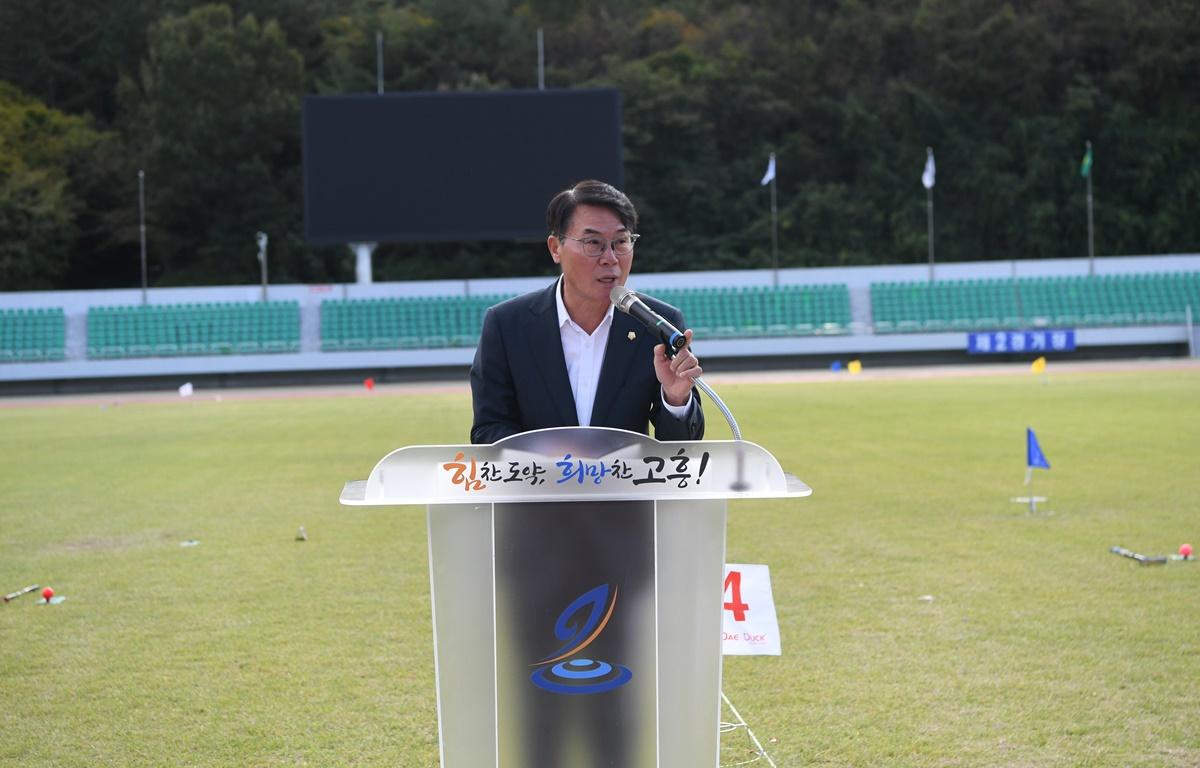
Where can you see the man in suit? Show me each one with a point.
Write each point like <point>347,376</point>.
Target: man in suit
<point>562,357</point>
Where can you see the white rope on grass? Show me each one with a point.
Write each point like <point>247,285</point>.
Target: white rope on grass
<point>741,723</point>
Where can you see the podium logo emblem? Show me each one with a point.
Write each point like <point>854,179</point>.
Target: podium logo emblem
<point>578,625</point>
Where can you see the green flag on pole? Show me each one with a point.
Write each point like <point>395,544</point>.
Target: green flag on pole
<point>1085,167</point>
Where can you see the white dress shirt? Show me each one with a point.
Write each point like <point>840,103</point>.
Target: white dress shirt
<point>584,353</point>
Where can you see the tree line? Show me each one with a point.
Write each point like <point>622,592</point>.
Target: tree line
<point>205,97</point>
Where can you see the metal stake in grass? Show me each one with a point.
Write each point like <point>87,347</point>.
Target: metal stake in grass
<point>758,752</point>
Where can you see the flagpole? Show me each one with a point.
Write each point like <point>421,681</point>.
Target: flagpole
<point>774,231</point>
<point>929,217</point>
<point>1091,233</point>
<point>929,208</point>
<point>142,228</point>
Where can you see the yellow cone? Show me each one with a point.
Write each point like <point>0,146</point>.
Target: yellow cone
<point>854,366</point>
<point>1038,366</point>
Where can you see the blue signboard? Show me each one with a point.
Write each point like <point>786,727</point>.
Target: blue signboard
<point>1010,342</point>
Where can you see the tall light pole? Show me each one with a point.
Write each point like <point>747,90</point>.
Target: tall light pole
<point>142,228</point>
<point>261,237</point>
<point>379,61</point>
<point>541,60</point>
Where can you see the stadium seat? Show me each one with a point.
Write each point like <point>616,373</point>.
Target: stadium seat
<point>1033,302</point>
<point>193,329</point>
<point>413,323</point>
<point>455,321</point>
<point>29,335</point>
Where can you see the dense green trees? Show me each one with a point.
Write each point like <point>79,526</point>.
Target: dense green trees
<point>206,98</point>
<point>213,115</point>
<point>44,177</point>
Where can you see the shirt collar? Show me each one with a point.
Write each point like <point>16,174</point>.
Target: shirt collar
<point>564,317</point>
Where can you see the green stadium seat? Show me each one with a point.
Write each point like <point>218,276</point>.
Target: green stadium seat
<point>193,329</point>
<point>1103,300</point>
<point>32,335</point>
<point>947,305</point>
<point>410,323</point>
<point>455,321</point>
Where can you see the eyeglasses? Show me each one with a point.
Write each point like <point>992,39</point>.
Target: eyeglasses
<point>594,246</point>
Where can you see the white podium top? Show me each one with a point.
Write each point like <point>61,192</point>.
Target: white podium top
<point>574,464</point>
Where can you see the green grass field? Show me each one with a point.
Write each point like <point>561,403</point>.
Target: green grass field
<point>1040,648</point>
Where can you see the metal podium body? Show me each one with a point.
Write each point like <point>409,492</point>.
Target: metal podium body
<point>576,576</point>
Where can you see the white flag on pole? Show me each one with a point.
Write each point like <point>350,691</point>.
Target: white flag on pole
<point>769,176</point>
<point>930,169</point>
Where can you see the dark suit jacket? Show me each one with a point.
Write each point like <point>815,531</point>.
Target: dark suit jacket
<point>519,377</point>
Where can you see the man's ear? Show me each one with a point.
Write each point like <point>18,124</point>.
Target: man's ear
<point>553,244</point>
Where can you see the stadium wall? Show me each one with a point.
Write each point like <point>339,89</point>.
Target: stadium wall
<point>79,373</point>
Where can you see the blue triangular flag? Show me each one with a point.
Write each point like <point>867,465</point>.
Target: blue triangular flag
<point>1033,452</point>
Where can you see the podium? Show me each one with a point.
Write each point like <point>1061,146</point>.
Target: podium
<point>576,576</point>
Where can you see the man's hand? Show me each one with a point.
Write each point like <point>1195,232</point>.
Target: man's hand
<point>678,374</point>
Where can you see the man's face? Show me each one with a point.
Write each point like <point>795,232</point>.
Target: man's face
<point>588,280</point>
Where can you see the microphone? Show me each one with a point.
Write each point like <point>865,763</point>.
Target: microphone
<point>628,302</point>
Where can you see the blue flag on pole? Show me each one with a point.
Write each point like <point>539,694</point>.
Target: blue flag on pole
<point>1033,452</point>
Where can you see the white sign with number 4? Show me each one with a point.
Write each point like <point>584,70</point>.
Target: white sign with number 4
<point>749,626</point>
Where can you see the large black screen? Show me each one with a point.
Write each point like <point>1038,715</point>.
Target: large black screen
<point>427,167</point>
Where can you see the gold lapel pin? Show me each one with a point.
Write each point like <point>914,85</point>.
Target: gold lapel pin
<point>632,335</point>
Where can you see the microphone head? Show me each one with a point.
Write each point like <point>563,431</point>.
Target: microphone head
<point>622,297</point>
